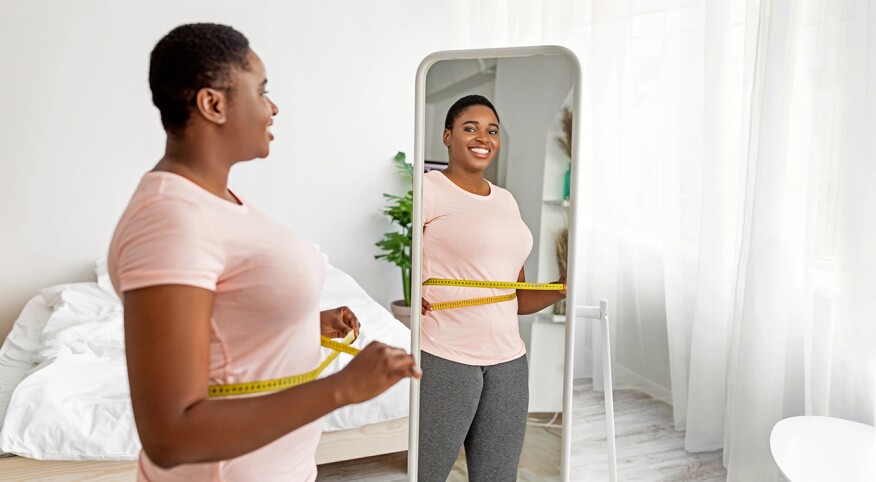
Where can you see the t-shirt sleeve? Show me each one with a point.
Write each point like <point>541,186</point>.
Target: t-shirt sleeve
<point>428,204</point>
<point>512,205</point>
<point>168,241</point>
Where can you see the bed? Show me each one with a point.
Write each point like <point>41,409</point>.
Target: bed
<point>64,391</point>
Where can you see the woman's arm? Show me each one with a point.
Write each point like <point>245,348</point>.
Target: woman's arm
<point>533,301</point>
<point>167,340</point>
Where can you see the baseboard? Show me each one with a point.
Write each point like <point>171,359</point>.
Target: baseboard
<point>626,379</point>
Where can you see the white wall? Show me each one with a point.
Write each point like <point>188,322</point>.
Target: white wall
<point>447,82</point>
<point>529,93</point>
<point>77,127</point>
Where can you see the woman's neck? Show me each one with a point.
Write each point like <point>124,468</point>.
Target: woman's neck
<point>471,181</point>
<point>199,163</point>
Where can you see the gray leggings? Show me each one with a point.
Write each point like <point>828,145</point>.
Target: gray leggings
<point>484,407</point>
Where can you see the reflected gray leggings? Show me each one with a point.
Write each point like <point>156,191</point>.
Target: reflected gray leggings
<point>484,407</point>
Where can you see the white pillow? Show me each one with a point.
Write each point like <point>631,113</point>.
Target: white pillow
<point>325,259</point>
<point>102,275</point>
<point>86,319</point>
<point>74,403</point>
<point>19,352</point>
<point>16,353</point>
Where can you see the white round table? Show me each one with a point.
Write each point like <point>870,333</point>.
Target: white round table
<point>821,449</point>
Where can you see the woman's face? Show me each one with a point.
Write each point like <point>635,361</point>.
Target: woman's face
<point>250,112</point>
<point>474,139</point>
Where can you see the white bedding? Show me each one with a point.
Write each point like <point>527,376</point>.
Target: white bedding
<point>63,381</point>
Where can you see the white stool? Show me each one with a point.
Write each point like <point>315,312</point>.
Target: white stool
<point>824,449</point>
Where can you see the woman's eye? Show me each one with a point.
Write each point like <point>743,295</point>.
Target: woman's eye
<point>469,129</point>
<point>265,93</point>
<point>494,132</point>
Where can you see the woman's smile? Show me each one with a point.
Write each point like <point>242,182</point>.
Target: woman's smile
<point>480,152</point>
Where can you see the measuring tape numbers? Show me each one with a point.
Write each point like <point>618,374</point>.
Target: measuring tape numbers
<point>505,285</point>
<point>247,388</point>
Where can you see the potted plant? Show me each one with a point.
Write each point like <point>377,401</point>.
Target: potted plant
<point>396,245</point>
<point>566,143</point>
<point>562,238</point>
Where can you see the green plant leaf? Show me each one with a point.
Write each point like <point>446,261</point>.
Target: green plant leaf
<point>396,246</point>
<point>405,169</point>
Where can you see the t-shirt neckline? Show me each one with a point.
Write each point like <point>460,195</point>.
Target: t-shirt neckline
<point>476,196</point>
<point>240,205</point>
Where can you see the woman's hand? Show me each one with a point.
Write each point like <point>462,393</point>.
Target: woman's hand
<point>529,301</point>
<point>374,370</point>
<point>337,322</point>
<point>167,343</point>
<point>562,281</point>
<point>426,306</point>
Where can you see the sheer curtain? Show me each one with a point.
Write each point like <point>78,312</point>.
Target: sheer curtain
<point>802,338</point>
<point>729,217</point>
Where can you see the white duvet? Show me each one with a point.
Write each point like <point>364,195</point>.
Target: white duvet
<point>64,386</point>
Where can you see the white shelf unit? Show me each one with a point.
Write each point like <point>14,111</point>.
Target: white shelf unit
<point>551,317</point>
<point>544,333</point>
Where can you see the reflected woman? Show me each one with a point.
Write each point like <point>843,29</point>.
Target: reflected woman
<point>475,389</point>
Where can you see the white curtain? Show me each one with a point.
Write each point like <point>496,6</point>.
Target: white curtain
<point>728,211</point>
<point>802,339</point>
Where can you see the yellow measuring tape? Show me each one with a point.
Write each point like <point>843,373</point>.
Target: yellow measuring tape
<point>507,285</point>
<point>286,382</point>
<point>343,346</point>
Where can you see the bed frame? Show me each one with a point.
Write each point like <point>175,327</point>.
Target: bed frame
<point>366,441</point>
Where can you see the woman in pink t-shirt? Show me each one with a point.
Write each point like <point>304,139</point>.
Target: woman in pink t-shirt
<point>215,292</point>
<point>475,386</point>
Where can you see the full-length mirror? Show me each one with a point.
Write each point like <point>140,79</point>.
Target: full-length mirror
<point>492,206</point>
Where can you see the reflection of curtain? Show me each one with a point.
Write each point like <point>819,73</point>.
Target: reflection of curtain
<point>727,213</point>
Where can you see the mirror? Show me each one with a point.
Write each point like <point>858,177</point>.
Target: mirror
<point>493,192</point>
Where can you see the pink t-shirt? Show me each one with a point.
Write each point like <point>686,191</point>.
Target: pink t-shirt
<point>265,322</point>
<point>472,237</point>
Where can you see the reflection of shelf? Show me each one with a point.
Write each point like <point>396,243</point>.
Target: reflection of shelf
<point>557,202</point>
<point>434,165</point>
<point>546,361</point>
<point>551,317</point>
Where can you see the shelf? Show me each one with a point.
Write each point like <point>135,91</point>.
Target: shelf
<point>550,317</point>
<point>557,202</point>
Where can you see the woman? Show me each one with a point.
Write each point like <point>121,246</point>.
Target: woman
<point>475,391</point>
<point>215,292</point>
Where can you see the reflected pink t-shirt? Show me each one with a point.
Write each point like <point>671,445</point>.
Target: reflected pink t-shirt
<point>265,322</point>
<point>471,237</point>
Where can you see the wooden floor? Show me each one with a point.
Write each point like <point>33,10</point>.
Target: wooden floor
<point>648,446</point>
<point>648,449</point>
<point>540,461</point>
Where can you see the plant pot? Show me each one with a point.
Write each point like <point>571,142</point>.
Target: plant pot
<point>401,312</point>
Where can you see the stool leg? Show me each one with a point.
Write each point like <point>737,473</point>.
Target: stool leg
<point>609,394</point>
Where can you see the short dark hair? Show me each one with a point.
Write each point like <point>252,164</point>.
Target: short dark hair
<point>464,103</point>
<point>187,59</point>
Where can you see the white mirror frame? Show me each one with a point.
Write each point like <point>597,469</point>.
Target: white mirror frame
<point>594,312</point>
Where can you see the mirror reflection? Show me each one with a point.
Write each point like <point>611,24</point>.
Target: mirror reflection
<point>495,210</point>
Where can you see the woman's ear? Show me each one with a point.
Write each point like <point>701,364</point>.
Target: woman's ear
<point>212,105</point>
<point>447,137</point>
